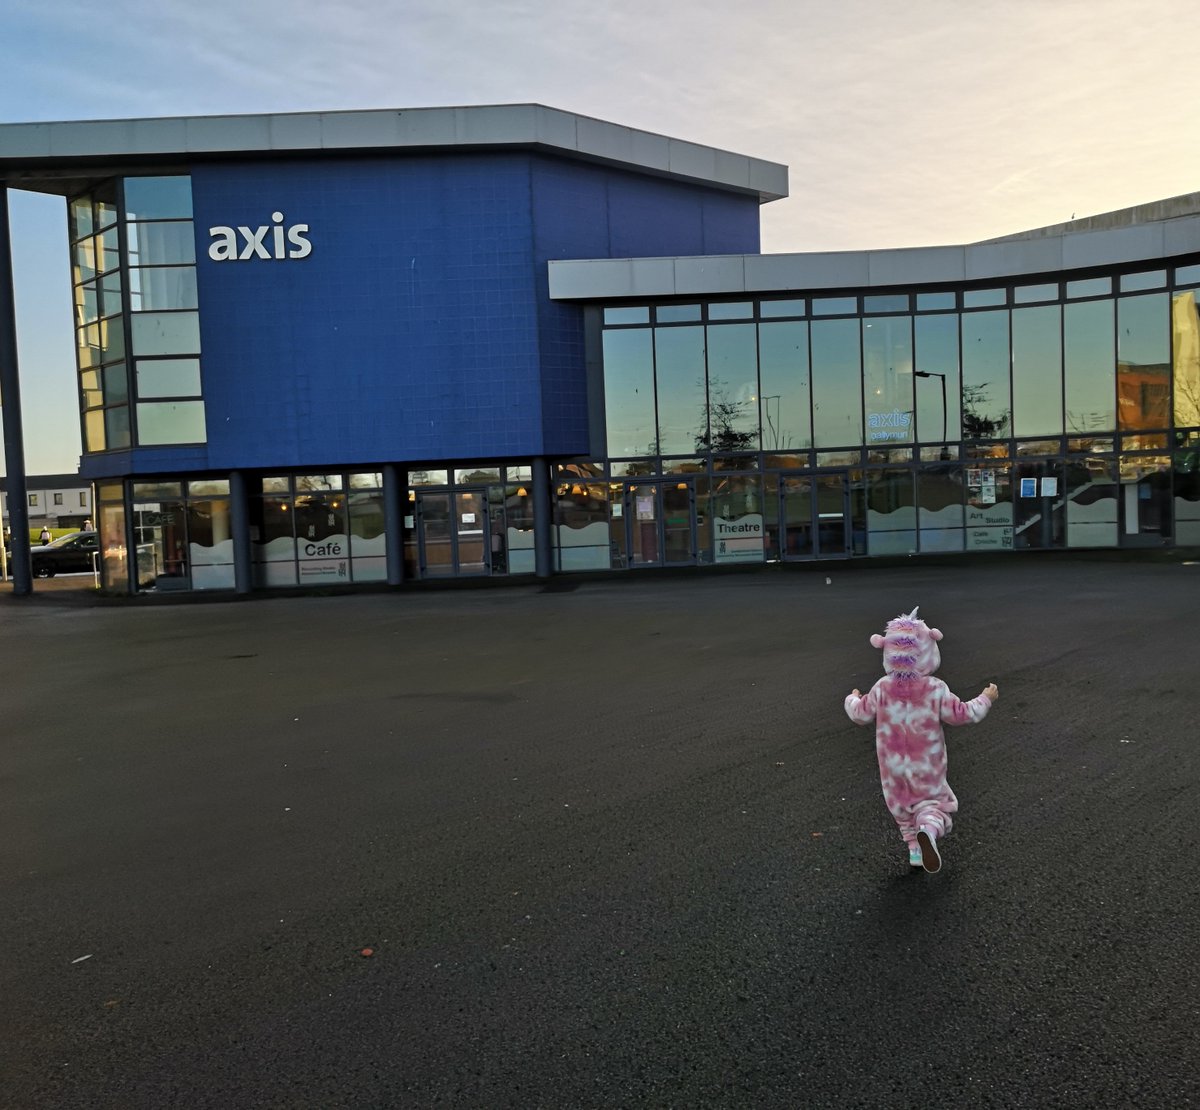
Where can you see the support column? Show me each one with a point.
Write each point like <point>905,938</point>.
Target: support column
<point>239,510</point>
<point>395,479</point>
<point>10,401</point>
<point>543,553</point>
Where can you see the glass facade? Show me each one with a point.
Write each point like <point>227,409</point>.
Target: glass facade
<point>1043,414</point>
<point>136,314</point>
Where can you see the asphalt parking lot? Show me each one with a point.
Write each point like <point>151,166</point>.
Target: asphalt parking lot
<point>609,844</point>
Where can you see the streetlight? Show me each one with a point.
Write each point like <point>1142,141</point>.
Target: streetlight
<point>932,374</point>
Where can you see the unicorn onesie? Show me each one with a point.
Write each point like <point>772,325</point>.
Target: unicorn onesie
<point>909,707</point>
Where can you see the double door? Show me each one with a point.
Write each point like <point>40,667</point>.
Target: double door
<point>660,523</point>
<point>458,533</point>
<point>814,516</point>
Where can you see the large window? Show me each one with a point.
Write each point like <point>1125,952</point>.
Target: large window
<point>629,392</point>
<point>888,379</point>
<point>679,364</point>
<point>1089,367</point>
<point>164,322</point>
<point>136,314</point>
<point>1185,343</point>
<point>837,383</point>
<point>1037,371</point>
<point>986,406</point>
<point>733,404</point>
<point>989,394</point>
<point>1143,362</point>
<point>784,381</point>
<point>99,319</point>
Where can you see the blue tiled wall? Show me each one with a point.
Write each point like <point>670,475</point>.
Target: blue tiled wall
<point>582,211</point>
<point>420,327</point>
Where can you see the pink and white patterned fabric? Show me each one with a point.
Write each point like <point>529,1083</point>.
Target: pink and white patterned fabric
<point>909,707</point>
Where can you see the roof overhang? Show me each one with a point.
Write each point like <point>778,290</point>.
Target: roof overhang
<point>604,279</point>
<point>48,157</point>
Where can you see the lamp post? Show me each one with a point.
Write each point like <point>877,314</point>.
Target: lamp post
<point>932,374</point>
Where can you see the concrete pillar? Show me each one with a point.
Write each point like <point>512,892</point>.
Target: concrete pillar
<point>10,401</point>
<point>395,500</point>
<point>239,505</point>
<point>543,508</point>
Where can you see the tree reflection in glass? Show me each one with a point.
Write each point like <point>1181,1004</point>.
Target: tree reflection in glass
<point>986,412</point>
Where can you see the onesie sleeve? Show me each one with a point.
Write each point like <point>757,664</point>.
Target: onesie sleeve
<point>954,711</point>
<point>862,710</point>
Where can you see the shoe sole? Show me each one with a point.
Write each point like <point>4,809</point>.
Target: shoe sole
<point>931,858</point>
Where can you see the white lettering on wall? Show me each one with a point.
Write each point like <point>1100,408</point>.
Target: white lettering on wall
<point>238,244</point>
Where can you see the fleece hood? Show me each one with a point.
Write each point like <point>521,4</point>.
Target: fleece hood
<point>910,646</point>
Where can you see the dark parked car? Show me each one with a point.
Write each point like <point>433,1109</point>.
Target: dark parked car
<point>69,553</point>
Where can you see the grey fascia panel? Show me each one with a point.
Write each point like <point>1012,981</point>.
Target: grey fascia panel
<point>916,266</point>
<point>299,131</point>
<point>650,150</point>
<point>206,134</point>
<point>1181,236</point>
<point>1103,248</point>
<point>690,160</point>
<point>499,124</point>
<point>353,130</point>
<point>427,127</point>
<point>90,139</point>
<point>710,274</point>
<point>827,270</point>
<point>556,129</point>
<point>770,271</point>
<point>769,178</point>
<point>734,168</point>
<point>652,277</point>
<point>574,280</point>
<point>25,140</point>
<point>1027,256</point>
<point>160,136</point>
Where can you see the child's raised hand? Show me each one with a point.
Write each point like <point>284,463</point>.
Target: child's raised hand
<point>991,693</point>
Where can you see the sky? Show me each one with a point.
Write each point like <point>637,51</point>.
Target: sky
<point>903,124</point>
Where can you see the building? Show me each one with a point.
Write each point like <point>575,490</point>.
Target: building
<point>55,500</point>
<point>382,346</point>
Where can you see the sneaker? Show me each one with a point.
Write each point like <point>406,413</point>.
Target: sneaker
<point>931,858</point>
<point>914,856</point>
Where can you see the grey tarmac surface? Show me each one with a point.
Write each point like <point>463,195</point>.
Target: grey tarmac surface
<point>612,846</point>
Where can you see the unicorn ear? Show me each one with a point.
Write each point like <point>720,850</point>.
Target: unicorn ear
<point>876,641</point>
<point>936,633</point>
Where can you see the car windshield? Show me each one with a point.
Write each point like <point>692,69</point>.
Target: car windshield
<point>68,540</point>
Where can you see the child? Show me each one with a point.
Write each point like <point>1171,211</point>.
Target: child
<point>908,706</point>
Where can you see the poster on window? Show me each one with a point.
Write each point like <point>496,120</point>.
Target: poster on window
<point>739,540</point>
<point>322,539</point>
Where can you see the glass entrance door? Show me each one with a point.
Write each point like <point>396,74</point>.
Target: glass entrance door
<point>452,533</point>
<point>1039,497</point>
<point>814,516</point>
<point>797,538</point>
<point>661,522</point>
<point>831,497</point>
